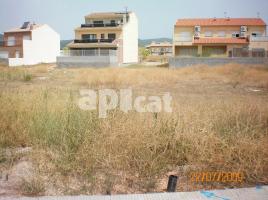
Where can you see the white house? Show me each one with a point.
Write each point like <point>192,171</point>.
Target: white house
<point>29,45</point>
<point>106,38</point>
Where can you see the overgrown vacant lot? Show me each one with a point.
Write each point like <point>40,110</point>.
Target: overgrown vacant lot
<point>219,123</point>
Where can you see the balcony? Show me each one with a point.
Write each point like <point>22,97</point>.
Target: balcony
<point>99,25</point>
<point>259,39</point>
<point>94,41</point>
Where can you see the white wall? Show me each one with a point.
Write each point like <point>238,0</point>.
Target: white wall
<point>130,40</point>
<point>13,62</point>
<point>43,48</point>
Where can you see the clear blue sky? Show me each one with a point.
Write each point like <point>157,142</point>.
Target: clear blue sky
<point>156,17</point>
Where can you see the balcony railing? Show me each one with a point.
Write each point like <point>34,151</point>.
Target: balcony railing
<point>94,41</point>
<point>259,39</point>
<point>183,39</point>
<point>89,52</point>
<point>99,25</point>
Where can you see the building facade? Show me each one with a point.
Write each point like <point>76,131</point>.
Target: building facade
<point>105,34</point>
<point>160,49</point>
<point>220,37</point>
<point>29,45</point>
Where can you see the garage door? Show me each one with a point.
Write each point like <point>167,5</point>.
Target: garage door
<point>186,51</point>
<point>3,54</point>
<point>214,50</point>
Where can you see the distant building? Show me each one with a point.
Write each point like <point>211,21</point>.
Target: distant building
<point>105,38</point>
<point>161,48</point>
<point>226,37</point>
<point>29,45</point>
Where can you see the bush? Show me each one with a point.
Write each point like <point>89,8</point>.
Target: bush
<point>27,77</point>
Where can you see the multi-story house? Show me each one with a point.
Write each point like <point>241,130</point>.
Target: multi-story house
<point>107,33</point>
<point>161,48</point>
<point>226,37</point>
<point>30,44</point>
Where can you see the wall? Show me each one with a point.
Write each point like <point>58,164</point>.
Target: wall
<point>130,40</point>
<point>13,62</point>
<point>184,62</point>
<point>215,30</point>
<point>89,20</point>
<point>18,43</point>
<point>86,61</point>
<point>178,30</point>
<point>258,45</point>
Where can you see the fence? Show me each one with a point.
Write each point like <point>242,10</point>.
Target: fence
<point>254,53</point>
<point>88,58</point>
<point>177,62</point>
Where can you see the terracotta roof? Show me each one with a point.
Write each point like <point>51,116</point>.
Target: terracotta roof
<point>104,15</point>
<point>221,22</point>
<point>15,30</point>
<point>220,41</point>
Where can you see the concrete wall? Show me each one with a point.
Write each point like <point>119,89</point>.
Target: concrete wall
<point>184,62</point>
<point>258,45</point>
<point>130,40</point>
<point>13,62</point>
<point>87,61</point>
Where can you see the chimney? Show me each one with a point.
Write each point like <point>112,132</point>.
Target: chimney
<point>31,26</point>
<point>125,16</point>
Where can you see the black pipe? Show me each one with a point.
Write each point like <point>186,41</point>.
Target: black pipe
<point>172,183</point>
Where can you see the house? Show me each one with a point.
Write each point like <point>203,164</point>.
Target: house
<point>220,37</point>
<point>30,44</point>
<point>108,38</point>
<point>161,48</point>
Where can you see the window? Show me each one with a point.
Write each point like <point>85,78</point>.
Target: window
<point>112,21</point>
<point>235,34</point>
<point>185,37</point>
<point>98,23</point>
<point>11,41</point>
<point>208,34</point>
<point>102,36</point>
<point>221,34</point>
<point>112,36</point>
<point>89,36</point>
<point>256,34</point>
<point>197,28</point>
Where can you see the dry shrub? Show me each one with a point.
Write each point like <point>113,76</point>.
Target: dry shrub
<point>134,150</point>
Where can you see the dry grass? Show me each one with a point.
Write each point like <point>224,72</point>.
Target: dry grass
<point>211,128</point>
<point>229,74</point>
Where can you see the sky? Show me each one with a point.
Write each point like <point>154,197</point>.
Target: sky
<point>156,17</point>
